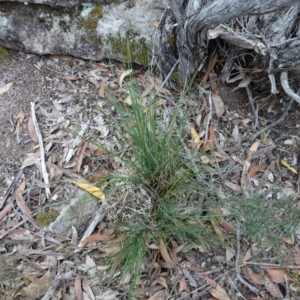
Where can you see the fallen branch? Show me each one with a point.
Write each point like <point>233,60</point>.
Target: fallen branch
<point>42,151</point>
<point>283,116</point>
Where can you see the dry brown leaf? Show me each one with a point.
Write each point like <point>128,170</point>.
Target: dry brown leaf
<point>276,275</point>
<point>209,145</point>
<point>31,131</point>
<point>209,280</point>
<point>253,149</point>
<point>164,251</point>
<point>31,278</point>
<point>227,226</point>
<point>218,231</point>
<point>77,288</point>
<point>192,103</point>
<point>160,295</point>
<point>253,277</point>
<point>149,289</point>
<point>96,238</point>
<point>6,210</point>
<point>5,87</point>
<point>273,288</point>
<point>101,91</point>
<point>219,293</point>
<point>70,77</point>
<point>19,120</point>
<point>38,288</point>
<point>218,104</point>
<point>257,168</point>
<point>289,241</point>
<point>211,65</point>
<point>114,246</point>
<point>99,67</point>
<point>248,255</point>
<point>246,165</point>
<point>80,156</point>
<point>149,88</point>
<point>24,208</point>
<point>233,186</point>
<point>114,267</point>
<point>156,23</point>
<point>182,285</point>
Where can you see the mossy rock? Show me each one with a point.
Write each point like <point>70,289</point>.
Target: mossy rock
<point>4,54</point>
<point>45,219</point>
<point>132,48</point>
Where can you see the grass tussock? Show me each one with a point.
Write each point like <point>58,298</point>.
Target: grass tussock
<point>162,196</point>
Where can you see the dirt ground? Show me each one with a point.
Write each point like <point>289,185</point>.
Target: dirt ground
<point>66,92</point>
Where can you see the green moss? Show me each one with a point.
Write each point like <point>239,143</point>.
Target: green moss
<point>90,23</point>
<point>175,75</point>
<point>45,219</point>
<point>172,40</point>
<point>4,54</point>
<point>134,49</point>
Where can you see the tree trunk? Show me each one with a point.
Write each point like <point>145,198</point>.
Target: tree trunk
<point>270,28</point>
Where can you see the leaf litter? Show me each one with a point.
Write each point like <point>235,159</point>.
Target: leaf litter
<point>66,126</point>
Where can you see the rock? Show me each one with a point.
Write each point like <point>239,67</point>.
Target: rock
<point>122,30</point>
<point>65,3</point>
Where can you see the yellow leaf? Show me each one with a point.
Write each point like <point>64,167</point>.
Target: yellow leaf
<point>195,135</point>
<point>288,166</point>
<point>123,75</point>
<point>90,188</point>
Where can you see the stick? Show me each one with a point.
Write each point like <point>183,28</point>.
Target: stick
<point>42,152</point>
<point>253,110</point>
<point>9,190</point>
<point>285,113</point>
<point>285,84</point>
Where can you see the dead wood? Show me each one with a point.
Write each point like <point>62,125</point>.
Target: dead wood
<point>268,30</point>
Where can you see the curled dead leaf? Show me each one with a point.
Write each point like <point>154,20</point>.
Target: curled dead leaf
<point>31,131</point>
<point>101,91</point>
<point>164,251</point>
<point>19,120</point>
<point>5,87</point>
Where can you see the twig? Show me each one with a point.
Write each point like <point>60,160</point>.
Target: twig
<point>285,84</point>
<point>9,190</point>
<point>287,288</point>
<point>283,116</point>
<point>237,267</point>
<point>253,110</point>
<point>42,152</point>
<point>268,265</point>
<point>98,217</point>
<point>167,78</point>
<point>58,278</point>
<point>210,112</point>
<point>271,75</point>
